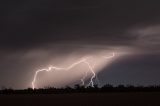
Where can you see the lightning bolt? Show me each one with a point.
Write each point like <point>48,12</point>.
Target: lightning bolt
<point>83,60</point>
<point>83,78</point>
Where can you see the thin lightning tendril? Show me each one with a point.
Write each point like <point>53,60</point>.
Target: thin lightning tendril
<point>83,78</point>
<point>83,60</point>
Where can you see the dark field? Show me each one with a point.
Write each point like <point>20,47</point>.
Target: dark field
<point>83,99</point>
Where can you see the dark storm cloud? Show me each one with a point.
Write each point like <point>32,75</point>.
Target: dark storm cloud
<point>27,24</point>
<point>33,30</point>
<point>136,70</point>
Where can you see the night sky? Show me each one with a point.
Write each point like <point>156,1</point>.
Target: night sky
<point>36,33</point>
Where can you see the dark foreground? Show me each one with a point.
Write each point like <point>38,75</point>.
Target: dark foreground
<point>83,99</point>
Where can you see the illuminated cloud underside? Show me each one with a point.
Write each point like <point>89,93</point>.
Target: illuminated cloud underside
<point>93,64</point>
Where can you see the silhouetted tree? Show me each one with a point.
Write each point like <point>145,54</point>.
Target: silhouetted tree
<point>78,88</point>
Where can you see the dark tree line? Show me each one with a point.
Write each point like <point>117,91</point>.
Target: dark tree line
<point>82,89</point>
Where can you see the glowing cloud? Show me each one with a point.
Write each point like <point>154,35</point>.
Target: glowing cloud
<point>83,60</point>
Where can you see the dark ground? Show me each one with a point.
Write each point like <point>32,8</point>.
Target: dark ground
<point>83,99</point>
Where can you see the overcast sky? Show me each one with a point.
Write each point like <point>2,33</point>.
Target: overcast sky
<point>36,32</point>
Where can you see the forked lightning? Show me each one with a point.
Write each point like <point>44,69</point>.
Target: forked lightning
<point>83,60</point>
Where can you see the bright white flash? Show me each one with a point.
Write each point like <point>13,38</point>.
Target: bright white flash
<point>83,60</point>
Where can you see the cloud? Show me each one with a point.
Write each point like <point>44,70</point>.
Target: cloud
<point>34,32</point>
<point>147,37</point>
<point>34,24</point>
